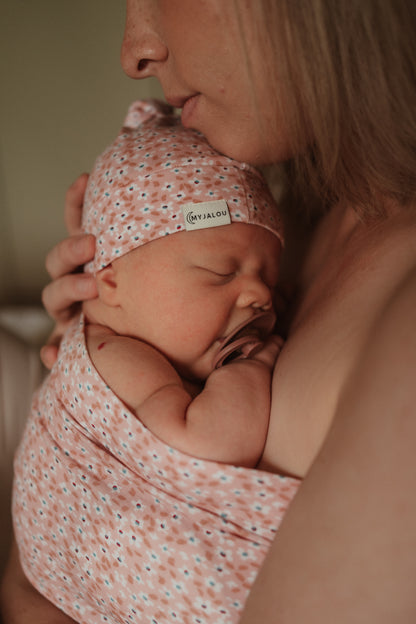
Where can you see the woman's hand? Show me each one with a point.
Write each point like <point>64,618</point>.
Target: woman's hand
<point>21,602</point>
<point>62,296</point>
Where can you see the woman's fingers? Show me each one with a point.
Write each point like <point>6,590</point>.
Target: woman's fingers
<point>60,299</point>
<point>74,201</point>
<point>49,351</point>
<point>59,296</point>
<point>49,355</point>
<point>69,254</point>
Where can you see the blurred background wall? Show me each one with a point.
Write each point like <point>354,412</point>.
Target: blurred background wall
<point>63,97</point>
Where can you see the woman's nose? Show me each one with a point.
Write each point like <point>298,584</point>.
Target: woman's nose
<point>142,49</point>
<point>254,293</point>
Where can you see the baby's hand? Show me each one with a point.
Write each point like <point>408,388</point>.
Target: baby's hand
<point>268,354</point>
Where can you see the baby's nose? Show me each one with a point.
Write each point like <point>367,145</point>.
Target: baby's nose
<point>255,293</point>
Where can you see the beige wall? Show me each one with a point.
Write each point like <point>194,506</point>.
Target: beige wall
<point>62,99</point>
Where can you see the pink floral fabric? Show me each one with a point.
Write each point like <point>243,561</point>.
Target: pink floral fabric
<point>154,167</point>
<point>115,526</point>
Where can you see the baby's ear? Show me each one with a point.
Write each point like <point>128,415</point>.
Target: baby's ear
<point>107,286</point>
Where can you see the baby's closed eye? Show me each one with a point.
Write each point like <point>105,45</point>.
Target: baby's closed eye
<point>220,271</point>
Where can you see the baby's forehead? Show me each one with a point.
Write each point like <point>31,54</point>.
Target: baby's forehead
<point>224,241</point>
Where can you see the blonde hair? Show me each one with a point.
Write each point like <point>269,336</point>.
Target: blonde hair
<point>343,73</point>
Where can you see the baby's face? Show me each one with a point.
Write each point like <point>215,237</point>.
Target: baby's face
<point>186,292</point>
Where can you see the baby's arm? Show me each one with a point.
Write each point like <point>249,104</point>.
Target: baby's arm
<point>226,422</point>
<point>135,371</point>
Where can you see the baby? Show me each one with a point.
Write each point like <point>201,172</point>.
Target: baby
<point>134,499</point>
<point>172,309</point>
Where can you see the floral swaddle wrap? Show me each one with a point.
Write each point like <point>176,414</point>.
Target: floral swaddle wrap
<point>113,525</point>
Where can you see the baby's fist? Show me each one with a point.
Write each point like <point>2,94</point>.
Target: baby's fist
<point>269,352</point>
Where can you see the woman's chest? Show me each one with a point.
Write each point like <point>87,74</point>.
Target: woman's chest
<point>351,285</point>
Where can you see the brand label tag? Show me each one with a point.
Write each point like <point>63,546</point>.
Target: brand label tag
<point>206,214</point>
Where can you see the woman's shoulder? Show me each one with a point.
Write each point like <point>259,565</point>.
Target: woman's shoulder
<point>361,286</point>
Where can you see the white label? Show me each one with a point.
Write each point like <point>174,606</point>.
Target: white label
<point>206,214</point>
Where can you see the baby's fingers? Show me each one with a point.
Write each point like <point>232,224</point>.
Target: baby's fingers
<point>270,351</point>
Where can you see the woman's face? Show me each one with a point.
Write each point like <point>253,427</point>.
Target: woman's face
<point>195,48</point>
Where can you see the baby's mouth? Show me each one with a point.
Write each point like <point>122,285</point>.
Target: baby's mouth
<point>246,339</point>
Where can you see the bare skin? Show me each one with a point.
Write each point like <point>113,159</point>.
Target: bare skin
<point>350,275</point>
<point>322,568</point>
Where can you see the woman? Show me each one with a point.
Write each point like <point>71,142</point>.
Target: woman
<point>330,87</point>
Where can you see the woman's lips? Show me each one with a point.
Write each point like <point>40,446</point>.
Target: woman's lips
<point>187,104</point>
<point>246,339</point>
<point>188,109</point>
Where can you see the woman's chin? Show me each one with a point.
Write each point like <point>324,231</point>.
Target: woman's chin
<point>256,153</point>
